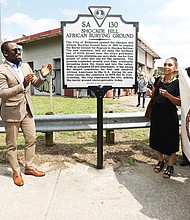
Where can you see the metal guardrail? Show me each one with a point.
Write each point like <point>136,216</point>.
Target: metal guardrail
<point>83,122</point>
<point>80,122</point>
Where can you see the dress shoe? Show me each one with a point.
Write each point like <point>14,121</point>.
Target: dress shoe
<point>17,177</point>
<point>34,172</point>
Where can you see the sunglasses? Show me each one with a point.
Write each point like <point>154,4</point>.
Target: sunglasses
<point>16,50</point>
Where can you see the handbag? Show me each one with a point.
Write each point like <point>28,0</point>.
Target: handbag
<point>148,112</point>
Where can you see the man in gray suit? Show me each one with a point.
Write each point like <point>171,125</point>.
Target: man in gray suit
<point>16,78</point>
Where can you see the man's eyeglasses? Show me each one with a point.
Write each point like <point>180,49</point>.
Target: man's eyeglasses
<point>16,50</point>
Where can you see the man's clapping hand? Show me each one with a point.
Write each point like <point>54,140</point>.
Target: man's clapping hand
<point>28,79</point>
<point>46,70</point>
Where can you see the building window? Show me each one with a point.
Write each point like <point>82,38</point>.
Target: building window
<point>31,64</point>
<point>56,75</point>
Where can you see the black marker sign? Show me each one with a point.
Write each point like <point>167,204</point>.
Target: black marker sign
<point>99,50</point>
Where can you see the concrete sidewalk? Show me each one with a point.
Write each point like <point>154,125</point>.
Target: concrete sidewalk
<point>80,192</point>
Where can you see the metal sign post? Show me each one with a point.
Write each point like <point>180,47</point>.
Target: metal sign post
<point>99,53</point>
<point>100,93</point>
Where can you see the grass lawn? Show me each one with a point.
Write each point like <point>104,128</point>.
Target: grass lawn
<point>130,145</point>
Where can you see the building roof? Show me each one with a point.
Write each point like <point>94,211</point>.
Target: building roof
<point>144,46</point>
<point>35,37</point>
<point>55,32</point>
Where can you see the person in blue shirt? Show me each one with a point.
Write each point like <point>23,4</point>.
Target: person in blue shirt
<point>142,86</point>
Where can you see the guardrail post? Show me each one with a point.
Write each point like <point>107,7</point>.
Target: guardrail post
<point>49,139</point>
<point>49,135</point>
<point>110,136</point>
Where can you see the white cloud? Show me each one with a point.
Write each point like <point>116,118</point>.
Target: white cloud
<point>70,14</point>
<point>170,31</point>
<point>149,33</point>
<point>4,2</point>
<point>167,31</point>
<point>24,24</point>
<point>174,9</point>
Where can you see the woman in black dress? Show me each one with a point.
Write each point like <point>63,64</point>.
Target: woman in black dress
<point>164,130</point>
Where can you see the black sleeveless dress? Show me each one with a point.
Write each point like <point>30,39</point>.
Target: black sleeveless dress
<point>164,129</point>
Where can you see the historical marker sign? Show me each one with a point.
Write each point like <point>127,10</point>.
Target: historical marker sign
<point>99,50</point>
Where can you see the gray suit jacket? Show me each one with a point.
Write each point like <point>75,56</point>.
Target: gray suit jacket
<point>13,98</point>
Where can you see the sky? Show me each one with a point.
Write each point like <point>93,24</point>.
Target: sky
<point>163,24</point>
